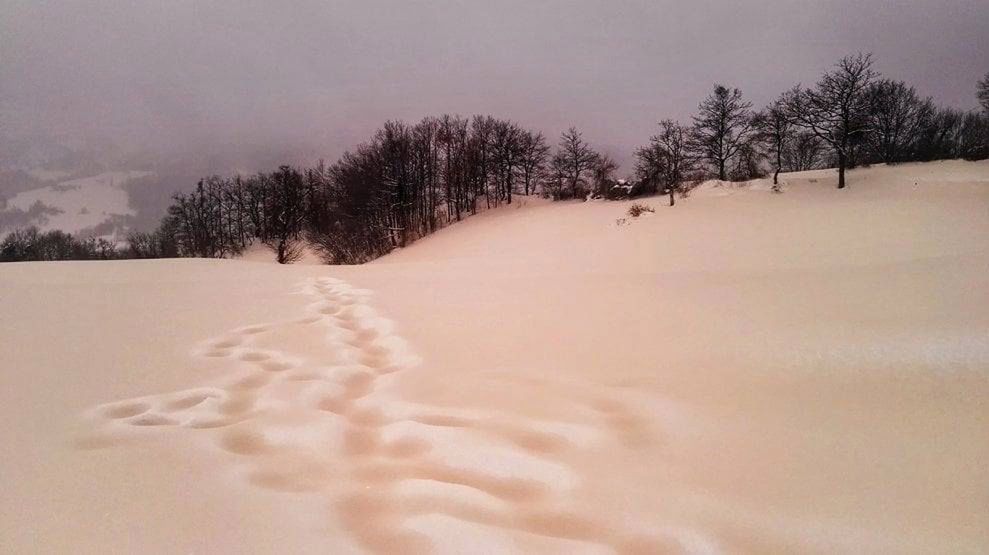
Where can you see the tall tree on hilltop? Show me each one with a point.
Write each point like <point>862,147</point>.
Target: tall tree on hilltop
<point>576,160</point>
<point>506,149</point>
<point>721,128</point>
<point>287,213</point>
<point>836,109</point>
<point>896,115</point>
<point>604,172</point>
<point>775,131</point>
<point>665,164</point>
<point>534,152</point>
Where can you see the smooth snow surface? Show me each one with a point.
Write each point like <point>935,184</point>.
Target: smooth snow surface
<point>744,372</point>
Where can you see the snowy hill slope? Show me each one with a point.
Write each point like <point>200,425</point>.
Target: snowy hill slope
<point>745,372</point>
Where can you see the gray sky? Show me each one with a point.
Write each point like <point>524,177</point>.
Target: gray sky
<point>192,77</point>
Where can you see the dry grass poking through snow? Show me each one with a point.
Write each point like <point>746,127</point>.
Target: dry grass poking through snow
<point>637,210</point>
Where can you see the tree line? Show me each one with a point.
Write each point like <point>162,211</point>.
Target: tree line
<point>851,116</point>
<point>29,244</point>
<point>404,183</point>
<point>409,180</point>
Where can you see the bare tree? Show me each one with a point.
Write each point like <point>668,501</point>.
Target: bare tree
<point>482,129</point>
<point>940,135</point>
<point>722,128</point>
<point>974,136</point>
<point>983,93</point>
<point>836,108</point>
<point>506,150</point>
<point>667,161</point>
<point>896,114</point>
<point>803,152</point>
<point>555,179</point>
<point>534,152</point>
<point>747,164</point>
<point>775,130</point>
<point>287,212</point>
<point>30,244</point>
<point>577,160</point>
<point>452,139</point>
<point>604,172</point>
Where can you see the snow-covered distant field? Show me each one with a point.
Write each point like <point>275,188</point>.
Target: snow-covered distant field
<point>47,175</point>
<point>78,204</point>
<point>746,372</point>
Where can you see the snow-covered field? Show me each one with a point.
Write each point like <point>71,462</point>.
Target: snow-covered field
<point>744,372</point>
<point>79,204</point>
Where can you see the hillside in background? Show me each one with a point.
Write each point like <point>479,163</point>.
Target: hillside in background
<point>102,189</point>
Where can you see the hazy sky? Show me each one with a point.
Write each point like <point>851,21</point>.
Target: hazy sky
<point>316,77</point>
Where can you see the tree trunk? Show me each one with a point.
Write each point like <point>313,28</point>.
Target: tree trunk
<point>841,169</point>
<point>672,202</point>
<point>779,164</point>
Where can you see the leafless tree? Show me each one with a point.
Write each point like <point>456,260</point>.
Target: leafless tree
<point>748,163</point>
<point>974,135</point>
<point>287,212</point>
<point>775,131</point>
<point>506,147</point>
<point>577,160</point>
<point>940,135</point>
<point>896,115</point>
<point>721,128</point>
<point>603,175</point>
<point>532,161</point>
<point>667,161</point>
<point>29,244</point>
<point>555,183</point>
<point>983,93</point>
<point>482,129</point>
<point>803,152</point>
<point>453,137</point>
<point>836,109</point>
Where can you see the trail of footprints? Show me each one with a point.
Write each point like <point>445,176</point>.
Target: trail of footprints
<point>322,420</point>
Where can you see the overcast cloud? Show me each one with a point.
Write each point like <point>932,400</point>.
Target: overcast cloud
<point>188,77</point>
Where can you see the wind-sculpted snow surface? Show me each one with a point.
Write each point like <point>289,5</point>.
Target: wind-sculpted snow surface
<point>399,476</point>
